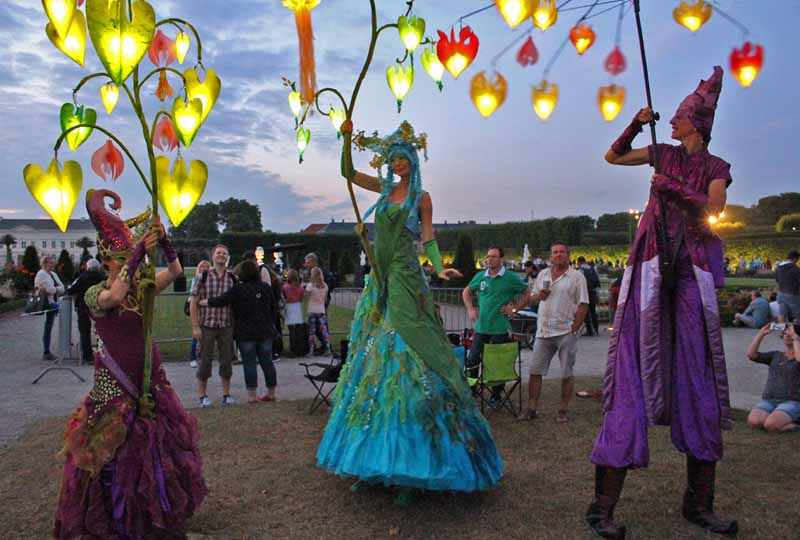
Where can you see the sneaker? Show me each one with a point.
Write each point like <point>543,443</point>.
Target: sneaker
<point>205,402</point>
<point>227,399</point>
<point>193,363</point>
<point>49,357</point>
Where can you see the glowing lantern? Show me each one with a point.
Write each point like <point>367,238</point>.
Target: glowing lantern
<point>303,136</point>
<point>186,117</point>
<point>179,190</point>
<point>337,119</point>
<point>55,190</point>
<point>109,93</point>
<point>108,161</point>
<point>305,34</point>
<point>746,63</point>
<point>514,11</point>
<point>295,103</point>
<point>434,68</point>
<point>162,51</point>
<point>545,14</point>
<point>72,115</point>
<point>544,97</point>
<point>120,43</point>
<point>181,46</point>
<point>164,137</point>
<point>411,31</point>
<point>164,90</point>
<point>60,13</point>
<point>692,16</point>
<point>488,95</point>
<point>582,37</point>
<point>615,62</point>
<point>207,91</point>
<point>610,99</point>
<point>400,81</point>
<point>527,55</point>
<point>457,55</point>
<point>73,43</point>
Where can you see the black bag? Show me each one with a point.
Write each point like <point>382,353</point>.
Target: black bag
<point>37,303</point>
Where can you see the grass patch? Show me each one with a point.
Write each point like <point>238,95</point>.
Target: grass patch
<point>263,481</point>
<point>750,283</point>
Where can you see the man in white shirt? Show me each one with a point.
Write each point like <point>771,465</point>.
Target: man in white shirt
<point>563,300</point>
<point>47,281</point>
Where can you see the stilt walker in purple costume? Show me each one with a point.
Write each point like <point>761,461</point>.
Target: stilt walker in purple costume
<point>133,470</point>
<point>666,365</point>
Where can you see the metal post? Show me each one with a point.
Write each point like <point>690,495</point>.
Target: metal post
<point>64,341</point>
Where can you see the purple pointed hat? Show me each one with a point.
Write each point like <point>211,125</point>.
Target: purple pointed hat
<point>114,236</point>
<point>699,106</point>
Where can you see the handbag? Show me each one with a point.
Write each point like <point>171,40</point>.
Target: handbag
<point>37,303</point>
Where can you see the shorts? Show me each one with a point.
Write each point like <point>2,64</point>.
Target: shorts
<point>544,348</point>
<point>223,339</point>
<point>792,408</point>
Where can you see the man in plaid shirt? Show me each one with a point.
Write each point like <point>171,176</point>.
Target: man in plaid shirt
<point>214,325</point>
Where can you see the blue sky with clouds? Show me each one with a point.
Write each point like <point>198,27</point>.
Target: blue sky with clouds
<point>511,166</point>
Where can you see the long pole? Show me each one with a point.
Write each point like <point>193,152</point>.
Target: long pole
<point>646,81</point>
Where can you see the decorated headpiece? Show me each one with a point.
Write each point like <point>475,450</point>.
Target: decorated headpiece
<point>403,141</point>
<point>699,106</point>
<point>114,236</point>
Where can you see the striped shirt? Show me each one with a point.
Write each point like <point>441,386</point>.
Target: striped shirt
<point>214,285</point>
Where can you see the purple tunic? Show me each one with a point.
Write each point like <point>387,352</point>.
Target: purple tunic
<point>651,377</point>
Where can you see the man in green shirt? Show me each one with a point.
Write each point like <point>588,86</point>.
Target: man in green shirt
<point>495,288</point>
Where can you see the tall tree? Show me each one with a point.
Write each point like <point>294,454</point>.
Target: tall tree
<point>346,265</point>
<point>618,222</point>
<point>64,267</point>
<point>768,210</point>
<point>8,240</point>
<point>85,242</point>
<point>238,215</point>
<point>30,261</point>
<point>464,260</point>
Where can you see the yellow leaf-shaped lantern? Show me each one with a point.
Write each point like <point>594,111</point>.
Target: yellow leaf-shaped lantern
<point>693,15</point>
<point>120,43</point>
<point>433,67</point>
<point>337,119</point>
<point>56,190</point>
<point>544,98</point>
<point>411,30</point>
<point>514,11</point>
<point>73,42</point>
<point>181,46</point>
<point>60,13</point>
<point>295,103</point>
<point>400,81</point>
<point>207,91</point>
<point>487,94</point>
<point>187,119</point>
<point>545,14</point>
<point>179,190</point>
<point>610,99</point>
<point>109,94</point>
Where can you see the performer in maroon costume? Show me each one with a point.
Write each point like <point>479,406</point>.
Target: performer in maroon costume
<point>131,473</point>
<point>666,363</point>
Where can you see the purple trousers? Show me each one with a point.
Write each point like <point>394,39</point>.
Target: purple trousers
<point>693,411</point>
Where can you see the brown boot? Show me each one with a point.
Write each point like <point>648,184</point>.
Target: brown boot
<point>608,482</point>
<point>698,501</point>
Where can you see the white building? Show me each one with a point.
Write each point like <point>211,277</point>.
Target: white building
<point>46,236</point>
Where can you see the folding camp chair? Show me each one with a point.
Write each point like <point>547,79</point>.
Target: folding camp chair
<point>324,380</point>
<point>501,365</point>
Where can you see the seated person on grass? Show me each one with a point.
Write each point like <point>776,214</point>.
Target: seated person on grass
<point>757,313</point>
<point>779,408</point>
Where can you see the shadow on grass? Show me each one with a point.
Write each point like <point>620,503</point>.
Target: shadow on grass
<point>264,484</point>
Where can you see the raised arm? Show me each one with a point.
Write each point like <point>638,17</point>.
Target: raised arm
<point>621,152</point>
<point>752,350</point>
<point>174,268</point>
<point>370,183</point>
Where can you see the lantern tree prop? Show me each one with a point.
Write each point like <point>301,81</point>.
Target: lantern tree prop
<point>122,33</point>
<point>305,35</point>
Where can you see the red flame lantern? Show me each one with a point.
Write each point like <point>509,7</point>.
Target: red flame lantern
<point>527,55</point>
<point>746,63</point>
<point>582,37</point>
<point>615,62</point>
<point>456,56</point>
<point>107,161</point>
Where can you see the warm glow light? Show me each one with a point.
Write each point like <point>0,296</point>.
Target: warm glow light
<point>457,55</point>
<point>693,15</point>
<point>60,13</point>
<point>181,46</point>
<point>488,95</point>
<point>109,93</point>
<point>456,64</point>
<point>179,190</point>
<point>411,30</point>
<point>712,220</point>
<point>746,63</point>
<point>582,37</point>
<point>432,66</point>
<point>610,99</point>
<point>400,81</point>
<point>544,98</point>
<point>337,119</point>
<point>121,33</point>
<point>545,14</point>
<point>207,91</point>
<point>295,103</point>
<point>56,190</point>
<point>187,119</point>
<point>73,42</point>
<point>514,11</point>
<point>187,122</point>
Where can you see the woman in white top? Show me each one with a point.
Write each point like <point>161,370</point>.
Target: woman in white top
<point>315,295</point>
<point>47,281</point>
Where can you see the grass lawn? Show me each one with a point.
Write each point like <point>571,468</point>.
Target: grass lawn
<point>749,283</point>
<point>260,469</point>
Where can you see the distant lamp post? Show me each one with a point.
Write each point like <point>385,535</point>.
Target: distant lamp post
<point>634,214</point>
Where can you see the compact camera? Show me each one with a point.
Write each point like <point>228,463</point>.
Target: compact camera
<point>779,326</point>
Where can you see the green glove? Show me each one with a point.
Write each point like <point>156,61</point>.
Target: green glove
<point>432,251</point>
<point>348,170</point>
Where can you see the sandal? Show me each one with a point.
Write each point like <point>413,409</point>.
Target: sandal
<point>529,414</point>
<point>562,417</point>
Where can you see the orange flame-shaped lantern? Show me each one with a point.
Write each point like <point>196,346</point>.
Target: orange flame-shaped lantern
<point>305,33</point>
<point>692,16</point>
<point>457,55</point>
<point>514,11</point>
<point>544,98</point>
<point>488,95</point>
<point>164,89</point>
<point>746,63</point>
<point>615,62</point>
<point>582,37</point>
<point>545,14</point>
<point>162,51</point>
<point>164,137</point>
<point>108,161</point>
<point>527,54</point>
<point>610,99</point>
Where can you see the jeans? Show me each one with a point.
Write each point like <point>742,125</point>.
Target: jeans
<point>49,318</point>
<point>476,352</point>
<point>255,352</point>
<point>790,306</point>
<point>193,354</point>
